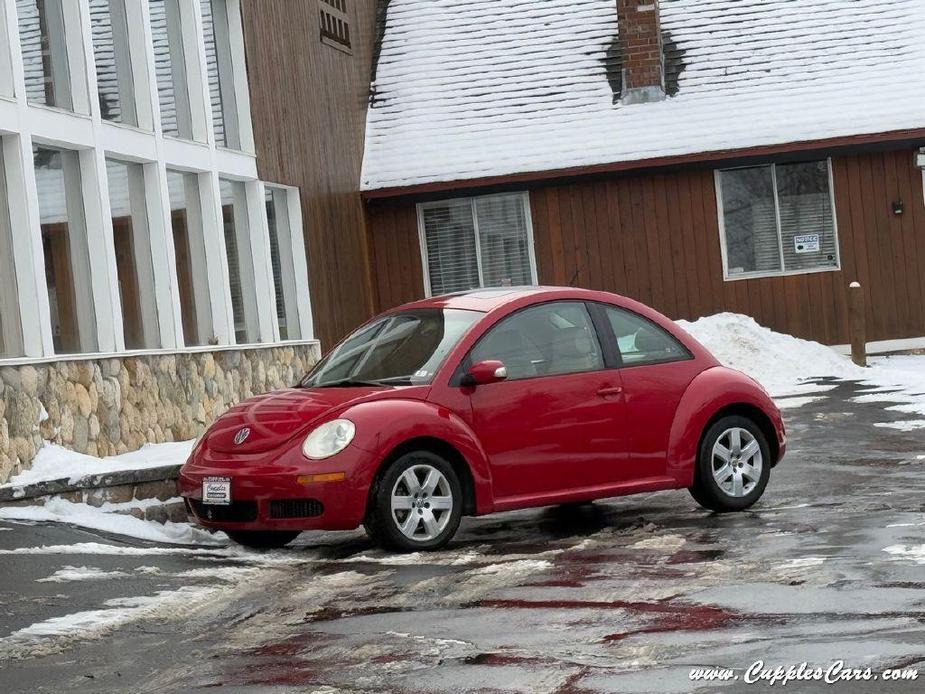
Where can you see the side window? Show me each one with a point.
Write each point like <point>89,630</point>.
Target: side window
<point>545,340</point>
<point>641,341</point>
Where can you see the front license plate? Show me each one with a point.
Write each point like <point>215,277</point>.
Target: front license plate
<point>216,491</point>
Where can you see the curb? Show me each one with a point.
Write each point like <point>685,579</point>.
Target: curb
<point>124,486</point>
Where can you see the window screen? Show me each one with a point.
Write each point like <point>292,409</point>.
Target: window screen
<point>477,242</point>
<point>778,219</point>
<point>805,214</point>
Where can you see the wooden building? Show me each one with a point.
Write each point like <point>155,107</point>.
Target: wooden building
<point>612,139</point>
<point>699,157</point>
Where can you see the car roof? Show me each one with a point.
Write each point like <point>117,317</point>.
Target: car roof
<point>486,300</point>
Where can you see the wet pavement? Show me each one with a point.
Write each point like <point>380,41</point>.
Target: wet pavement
<point>626,595</point>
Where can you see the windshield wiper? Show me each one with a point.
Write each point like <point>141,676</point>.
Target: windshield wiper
<point>347,382</point>
<point>397,381</point>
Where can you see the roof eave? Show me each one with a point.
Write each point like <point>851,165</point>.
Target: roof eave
<point>716,156</point>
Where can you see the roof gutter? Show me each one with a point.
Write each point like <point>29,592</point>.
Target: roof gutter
<point>679,160</point>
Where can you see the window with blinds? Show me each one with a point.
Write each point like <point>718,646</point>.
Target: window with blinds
<point>219,71</point>
<point>111,55</point>
<point>476,242</point>
<point>777,219</point>
<point>335,23</point>
<point>43,35</point>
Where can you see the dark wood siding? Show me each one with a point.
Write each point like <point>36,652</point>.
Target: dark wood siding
<point>308,102</point>
<point>395,254</point>
<point>656,238</point>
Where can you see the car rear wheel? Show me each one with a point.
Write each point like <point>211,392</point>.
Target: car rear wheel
<point>416,504</point>
<point>733,465</point>
<point>263,539</point>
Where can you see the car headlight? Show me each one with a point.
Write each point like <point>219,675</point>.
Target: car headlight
<point>330,438</point>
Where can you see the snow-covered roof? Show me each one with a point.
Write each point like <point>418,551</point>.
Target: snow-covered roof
<point>468,89</point>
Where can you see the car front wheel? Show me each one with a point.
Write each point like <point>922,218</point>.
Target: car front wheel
<point>733,465</point>
<point>416,504</point>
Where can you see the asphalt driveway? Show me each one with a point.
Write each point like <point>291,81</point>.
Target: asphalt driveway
<point>626,596</point>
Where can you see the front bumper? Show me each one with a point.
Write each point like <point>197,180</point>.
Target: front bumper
<point>266,493</point>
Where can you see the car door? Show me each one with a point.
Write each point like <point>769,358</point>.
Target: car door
<point>656,369</point>
<point>557,422</point>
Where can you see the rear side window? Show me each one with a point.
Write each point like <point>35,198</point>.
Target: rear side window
<point>545,340</point>
<point>641,341</point>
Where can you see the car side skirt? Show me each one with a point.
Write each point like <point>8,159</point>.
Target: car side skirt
<point>648,484</point>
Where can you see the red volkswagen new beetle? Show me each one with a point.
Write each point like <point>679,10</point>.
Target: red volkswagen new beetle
<point>485,401</point>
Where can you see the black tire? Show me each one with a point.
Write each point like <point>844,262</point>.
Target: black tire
<point>379,523</point>
<point>705,490</point>
<point>263,539</point>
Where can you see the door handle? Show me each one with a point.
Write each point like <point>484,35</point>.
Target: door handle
<point>608,391</point>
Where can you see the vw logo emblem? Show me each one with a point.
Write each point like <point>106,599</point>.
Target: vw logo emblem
<point>241,436</point>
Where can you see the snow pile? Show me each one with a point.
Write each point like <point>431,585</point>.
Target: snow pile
<point>779,362</point>
<point>107,520</point>
<point>54,462</point>
<point>787,366</point>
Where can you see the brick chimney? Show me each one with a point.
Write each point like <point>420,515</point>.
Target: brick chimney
<point>643,56</point>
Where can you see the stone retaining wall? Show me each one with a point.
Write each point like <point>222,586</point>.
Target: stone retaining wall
<point>110,406</point>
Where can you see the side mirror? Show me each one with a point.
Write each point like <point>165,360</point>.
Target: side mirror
<point>485,372</point>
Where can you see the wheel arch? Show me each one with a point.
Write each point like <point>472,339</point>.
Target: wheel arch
<point>437,446</point>
<point>712,394</point>
<point>753,413</point>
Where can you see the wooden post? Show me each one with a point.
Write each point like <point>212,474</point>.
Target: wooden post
<point>857,328</point>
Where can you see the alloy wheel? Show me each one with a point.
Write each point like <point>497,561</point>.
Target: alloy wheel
<point>736,462</point>
<point>422,502</point>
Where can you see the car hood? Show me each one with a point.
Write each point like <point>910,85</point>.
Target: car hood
<point>276,417</point>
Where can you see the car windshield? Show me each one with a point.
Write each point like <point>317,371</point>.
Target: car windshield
<point>404,348</point>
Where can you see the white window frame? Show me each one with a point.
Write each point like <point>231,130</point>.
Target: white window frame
<point>783,272</point>
<point>137,34</point>
<point>23,123</point>
<point>7,90</point>
<point>77,41</point>
<point>10,317</point>
<point>422,234</point>
<point>296,276</point>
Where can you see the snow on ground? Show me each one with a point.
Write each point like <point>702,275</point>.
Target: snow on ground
<point>92,624</point>
<point>86,548</point>
<point>786,365</point>
<point>914,553</point>
<point>54,462</point>
<point>106,519</point>
<point>68,574</point>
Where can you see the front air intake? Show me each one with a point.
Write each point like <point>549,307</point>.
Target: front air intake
<point>296,508</point>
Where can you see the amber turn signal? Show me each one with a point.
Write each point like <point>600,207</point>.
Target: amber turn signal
<point>325,477</point>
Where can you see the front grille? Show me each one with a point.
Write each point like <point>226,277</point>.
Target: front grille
<point>235,512</point>
<point>296,508</point>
